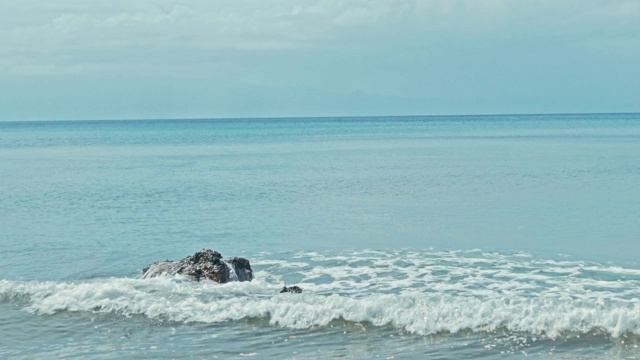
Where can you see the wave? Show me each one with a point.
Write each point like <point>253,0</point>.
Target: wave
<point>463,292</point>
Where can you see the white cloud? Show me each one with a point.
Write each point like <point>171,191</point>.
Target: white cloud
<point>282,24</point>
<point>520,54</point>
<point>64,29</point>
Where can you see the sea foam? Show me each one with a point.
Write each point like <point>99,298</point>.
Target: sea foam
<point>422,293</point>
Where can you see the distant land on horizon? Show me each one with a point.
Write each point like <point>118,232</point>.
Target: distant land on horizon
<point>327,117</point>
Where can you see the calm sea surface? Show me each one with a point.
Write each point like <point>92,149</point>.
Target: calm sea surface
<point>412,237</point>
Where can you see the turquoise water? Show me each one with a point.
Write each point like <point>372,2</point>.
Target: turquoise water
<point>450,237</point>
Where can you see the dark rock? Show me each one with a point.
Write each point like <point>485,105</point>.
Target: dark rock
<point>203,265</point>
<point>242,268</point>
<point>291,289</point>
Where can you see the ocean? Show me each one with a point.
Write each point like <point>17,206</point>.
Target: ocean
<point>441,237</point>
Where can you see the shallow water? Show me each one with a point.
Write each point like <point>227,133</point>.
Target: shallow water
<point>450,237</point>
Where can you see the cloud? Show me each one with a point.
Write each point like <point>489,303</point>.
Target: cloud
<point>260,25</point>
<point>466,50</point>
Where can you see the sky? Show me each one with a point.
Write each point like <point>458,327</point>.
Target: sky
<point>123,59</point>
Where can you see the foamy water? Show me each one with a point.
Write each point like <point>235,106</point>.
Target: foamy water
<point>419,292</point>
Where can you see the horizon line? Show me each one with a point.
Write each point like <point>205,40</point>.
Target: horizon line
<point>323,117</point>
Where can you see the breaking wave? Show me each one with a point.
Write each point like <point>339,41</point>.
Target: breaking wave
<point>420,292</point>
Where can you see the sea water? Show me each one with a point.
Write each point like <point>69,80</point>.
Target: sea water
<point>413,237</point>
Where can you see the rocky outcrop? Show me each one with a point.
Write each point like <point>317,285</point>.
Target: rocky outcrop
<point>291,289</point>
<point>203,265</point>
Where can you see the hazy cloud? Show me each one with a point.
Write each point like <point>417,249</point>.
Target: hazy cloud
<point>406,48</point>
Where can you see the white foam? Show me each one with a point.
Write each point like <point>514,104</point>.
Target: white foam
<point>232,271</point>
<point>424,293</point>
<point>168,299</point>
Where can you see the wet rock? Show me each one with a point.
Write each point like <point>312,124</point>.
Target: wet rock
<point>291,289</point>
<point>203,265</point>
<point>242,268</point>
